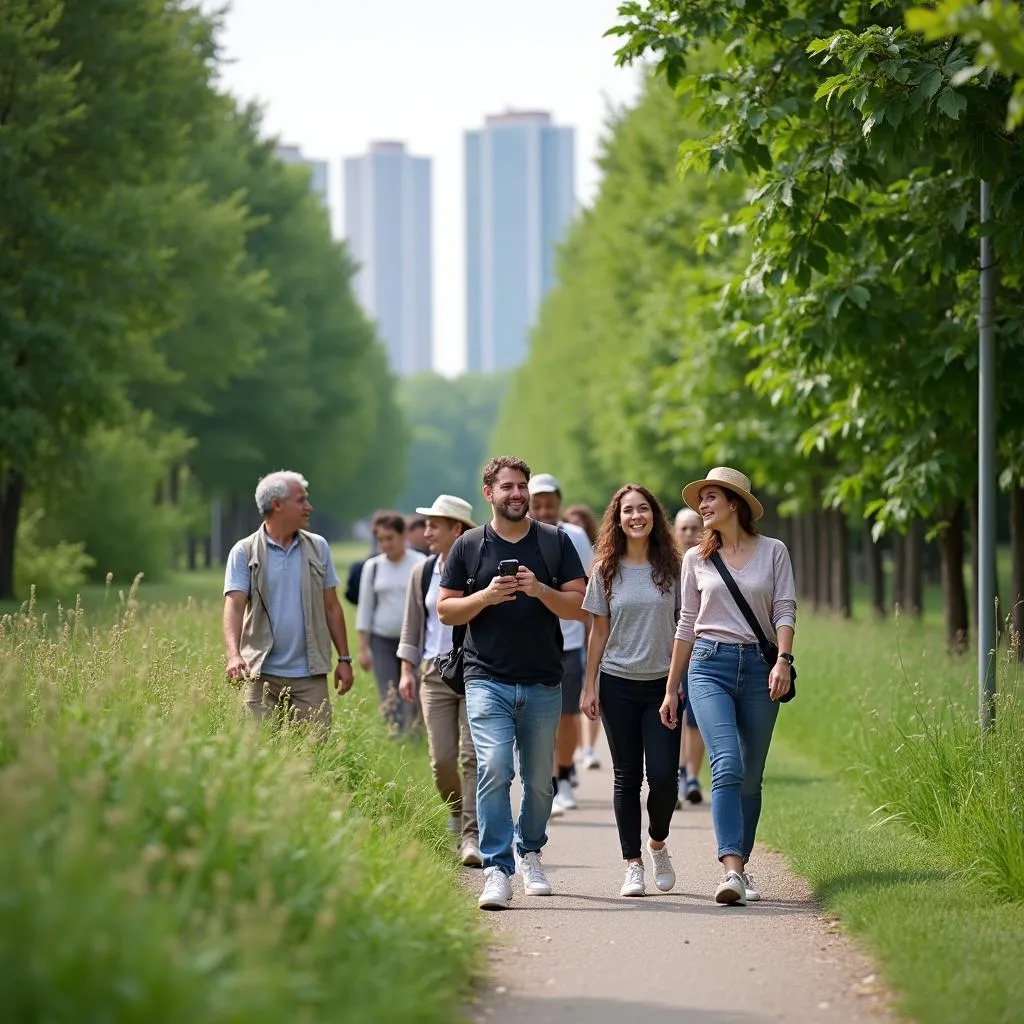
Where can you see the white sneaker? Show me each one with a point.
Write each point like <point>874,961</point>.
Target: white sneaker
<point>664,873</point>
<point>590,758</point>
<point>535,882</point>
<point>750,888</point>
<point>565,797</point>
<point>497,894</point>
<point>557,810</point>
<point>731,890</point>
<point>469,854</point>
<point>634,883</point>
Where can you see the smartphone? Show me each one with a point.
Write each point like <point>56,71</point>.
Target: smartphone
<point>508,567</point>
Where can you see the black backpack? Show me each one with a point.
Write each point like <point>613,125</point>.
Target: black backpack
<point>449,666</point>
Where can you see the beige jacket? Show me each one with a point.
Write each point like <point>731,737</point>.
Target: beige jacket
<point>257,636</point>
<point>414,621</point>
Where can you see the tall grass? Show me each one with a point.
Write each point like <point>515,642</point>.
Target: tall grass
<point>886,702</point>
<point>161,860</point>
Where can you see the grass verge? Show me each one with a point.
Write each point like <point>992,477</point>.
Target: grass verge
<point>162,861</point>
<point>875,742</point>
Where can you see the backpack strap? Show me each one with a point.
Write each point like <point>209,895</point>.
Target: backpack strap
<point>428,574</point>
<point>472,554</point>
<point>549,540</point>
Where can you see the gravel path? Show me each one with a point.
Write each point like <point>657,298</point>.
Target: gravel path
<point>589,956</point>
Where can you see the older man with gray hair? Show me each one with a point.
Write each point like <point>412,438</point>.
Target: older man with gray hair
<point>281,609</point>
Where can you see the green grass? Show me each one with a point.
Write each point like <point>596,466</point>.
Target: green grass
<point>163,861</point>
<point>908,827</point>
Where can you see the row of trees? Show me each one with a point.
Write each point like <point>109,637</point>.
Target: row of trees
<point>802,300</point>
<point>175,318</point>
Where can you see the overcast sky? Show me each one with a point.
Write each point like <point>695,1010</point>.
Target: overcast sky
<point>334,74</point>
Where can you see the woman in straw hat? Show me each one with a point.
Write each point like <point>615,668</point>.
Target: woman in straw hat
<point>732,688</point>
<point>633,596</point>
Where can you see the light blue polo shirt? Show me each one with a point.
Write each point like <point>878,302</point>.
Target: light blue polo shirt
<point>283,594</point>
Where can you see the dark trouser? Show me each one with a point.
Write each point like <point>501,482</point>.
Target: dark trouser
<point>632,723</point>
<point>387,670</point>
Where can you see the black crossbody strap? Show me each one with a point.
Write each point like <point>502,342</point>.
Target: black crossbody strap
<point>741,603</point>
<point>473,546</point>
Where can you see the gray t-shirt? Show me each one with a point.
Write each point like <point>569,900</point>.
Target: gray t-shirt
<point>643,622</point>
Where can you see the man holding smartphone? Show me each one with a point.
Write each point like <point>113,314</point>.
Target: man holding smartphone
<point>511,599</point>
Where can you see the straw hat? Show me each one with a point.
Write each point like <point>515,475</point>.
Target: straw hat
<point>723,476</point>
<point>447,506</point>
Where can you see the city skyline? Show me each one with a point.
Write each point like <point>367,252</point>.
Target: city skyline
<point>319,170</point>
<point>520,199</point>
<point>388,231</point>
<point>332,77</point>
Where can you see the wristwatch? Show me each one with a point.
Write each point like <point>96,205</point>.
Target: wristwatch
<point>786,656</point>
<point>344,659</point>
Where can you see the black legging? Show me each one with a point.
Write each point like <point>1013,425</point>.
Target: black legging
<point>630,712</point>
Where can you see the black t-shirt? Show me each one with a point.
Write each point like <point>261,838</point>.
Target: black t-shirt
<point>516,641</point>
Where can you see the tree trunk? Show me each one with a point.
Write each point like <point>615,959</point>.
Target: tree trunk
<point>913,588</point>
<point>808,574</point>
<point>193,552</point>
<point>12,492</point>
<point>899,558</point>
<point>1017,568</point>
<point>875,571</point>
<point>954,593</point>
<point>823,589</point>
<point>842,600</point>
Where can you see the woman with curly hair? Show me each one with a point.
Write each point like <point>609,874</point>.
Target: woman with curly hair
<point>633,596</point>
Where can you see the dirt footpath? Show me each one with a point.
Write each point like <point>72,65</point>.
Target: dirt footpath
<point>589,956</point>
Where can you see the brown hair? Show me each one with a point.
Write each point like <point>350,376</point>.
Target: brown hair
<point>500,462</point>
<point>586,518</point>
<point>662,552</point>
<point>388,521</point>
<point>712,539</point>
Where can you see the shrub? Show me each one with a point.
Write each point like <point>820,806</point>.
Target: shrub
<point>55,570</point>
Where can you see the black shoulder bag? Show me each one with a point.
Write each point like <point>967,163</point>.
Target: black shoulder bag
<point>769,651</point>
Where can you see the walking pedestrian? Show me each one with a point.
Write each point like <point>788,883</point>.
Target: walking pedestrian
<point>382,590</point>
<point>583,517</point>
<point>546,507</point>
<point>689,526</point>
<point>633,596</point>
<point>281,609</point>
<point>733,688</point>
<point>509,582</point>
<point>424,639</point>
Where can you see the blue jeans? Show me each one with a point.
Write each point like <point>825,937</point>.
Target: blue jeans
<point>727,686</point>
<point>503,716</point>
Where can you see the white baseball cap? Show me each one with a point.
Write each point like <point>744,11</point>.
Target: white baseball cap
<point>544,483</point>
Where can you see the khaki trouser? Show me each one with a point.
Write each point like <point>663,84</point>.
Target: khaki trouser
<point>301,699</point>
<point>444,715</point>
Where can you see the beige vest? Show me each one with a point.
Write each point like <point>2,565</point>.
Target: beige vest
<point>257,635</point>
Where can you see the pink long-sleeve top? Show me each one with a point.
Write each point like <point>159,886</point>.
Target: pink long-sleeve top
<point>766,581</point>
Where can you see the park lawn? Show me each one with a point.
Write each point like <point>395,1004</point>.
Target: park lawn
<point>948,941</point>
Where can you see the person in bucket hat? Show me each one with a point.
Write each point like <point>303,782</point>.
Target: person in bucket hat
<point>733,690</point>
<point>423,641</point>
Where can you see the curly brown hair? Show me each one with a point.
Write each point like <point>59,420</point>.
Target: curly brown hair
<point>500,462</point>
<point>662,552</point>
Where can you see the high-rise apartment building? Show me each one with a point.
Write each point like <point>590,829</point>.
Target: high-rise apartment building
<point>387,224</point>
<point>519,203</point>
<point>317,169</point>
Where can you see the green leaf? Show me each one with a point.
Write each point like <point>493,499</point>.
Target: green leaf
<point>859,296</point>
<point>931,82</point>
<point>952,103</point>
